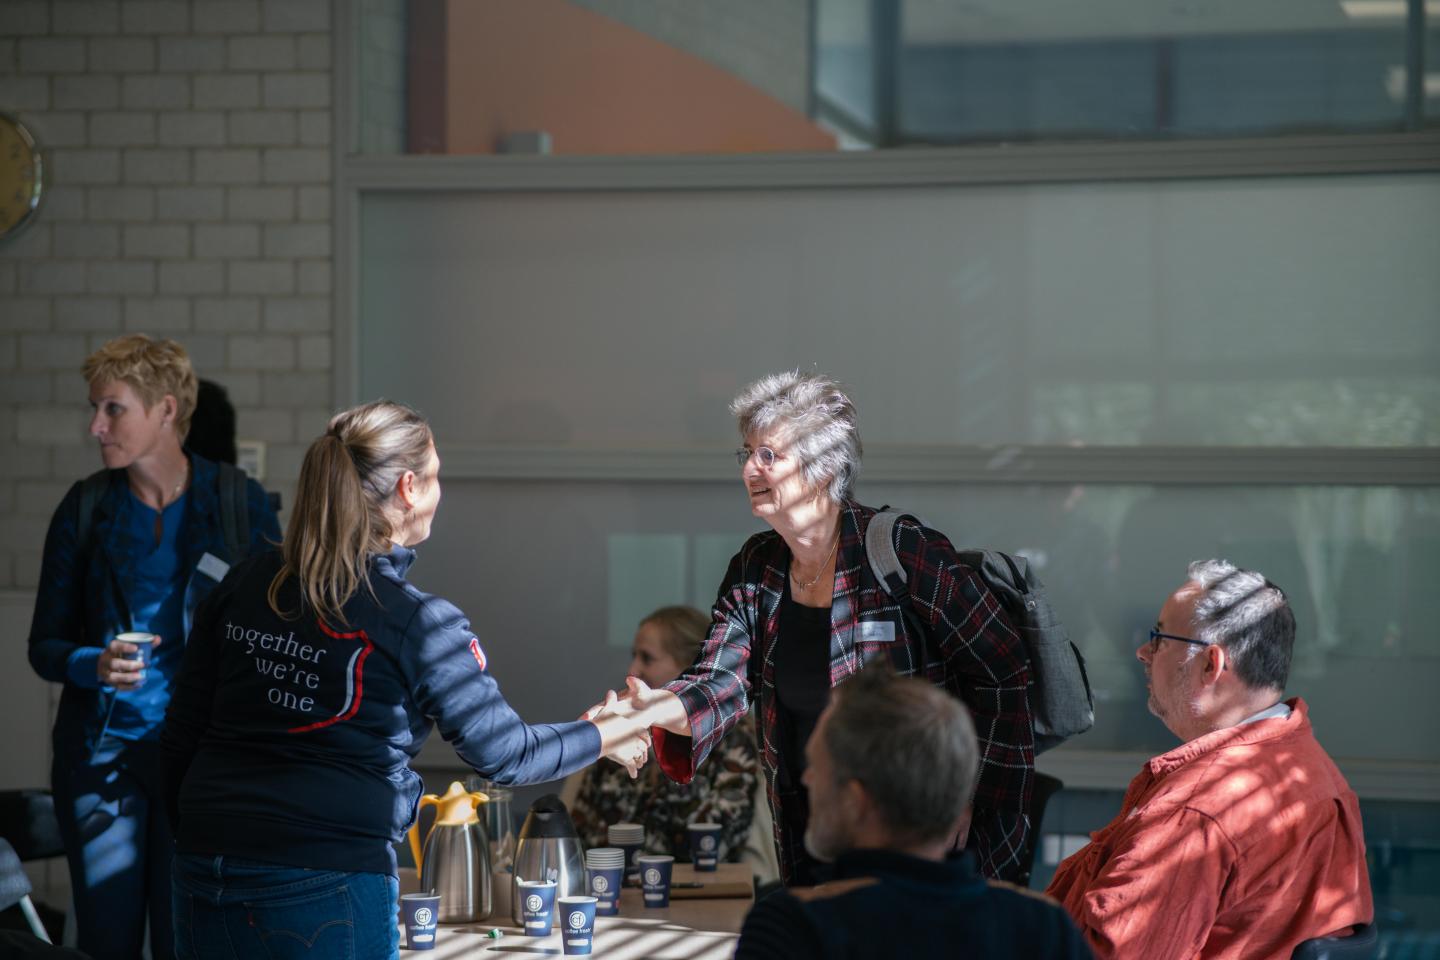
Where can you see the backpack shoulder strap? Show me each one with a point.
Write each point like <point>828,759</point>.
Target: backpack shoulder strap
<point>880,552</point>
<point>885,564</point>
<point>92,491</point>
<point>234,511</point>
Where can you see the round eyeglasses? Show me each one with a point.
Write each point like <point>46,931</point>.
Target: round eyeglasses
<point>765,455</point>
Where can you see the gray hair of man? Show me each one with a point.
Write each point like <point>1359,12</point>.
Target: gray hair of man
<point>1250,617</point>
<point>814,416</point>
<point>910,744</point>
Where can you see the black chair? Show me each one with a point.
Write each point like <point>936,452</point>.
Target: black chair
<point>27,820</point>
<point>1044,787</point>
<point>28,824</point>
<point>1363,944</point>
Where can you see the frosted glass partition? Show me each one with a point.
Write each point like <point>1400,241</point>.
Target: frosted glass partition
<point>554,576</point>
<point>613,328</point>
<point>1264,312</point>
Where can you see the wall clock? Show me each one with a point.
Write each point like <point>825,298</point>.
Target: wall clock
<point>22,177</point>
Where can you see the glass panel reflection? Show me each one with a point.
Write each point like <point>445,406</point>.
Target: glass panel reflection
<point>606,77</point>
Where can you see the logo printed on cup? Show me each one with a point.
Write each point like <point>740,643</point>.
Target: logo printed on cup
<point>600,884</point>
<point>420,911</point>
<point>707,843</point>
<point>652,876</point>
<point>533,903</point>
<point>144,644</point>
<point>577,919</point>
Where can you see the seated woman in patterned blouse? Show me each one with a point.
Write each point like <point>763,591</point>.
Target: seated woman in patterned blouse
<point>723,790</point>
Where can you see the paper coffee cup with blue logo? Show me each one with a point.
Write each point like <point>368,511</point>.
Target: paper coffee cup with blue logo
<point>704,845</point>
<point>537,905</point>
<point>655,878</point>
<point>606,869</point>
<point>577,924</point>
<point>144,646</point>
<point>420,911</point>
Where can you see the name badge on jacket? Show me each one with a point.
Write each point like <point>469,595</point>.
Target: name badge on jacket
<point>213,567</point>
<point>875,631</point>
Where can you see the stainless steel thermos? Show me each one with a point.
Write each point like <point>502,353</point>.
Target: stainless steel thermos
<point>548,849</point>
<point>455,860</point>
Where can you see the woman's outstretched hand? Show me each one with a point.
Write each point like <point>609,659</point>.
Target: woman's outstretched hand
<point>624,740</point>
<point>649,707</point>
<point>605,706</point>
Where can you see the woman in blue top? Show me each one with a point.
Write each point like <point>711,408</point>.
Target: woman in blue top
<point>312,678</point>
<point>134,548</point>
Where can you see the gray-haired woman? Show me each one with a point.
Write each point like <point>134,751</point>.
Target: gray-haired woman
<point>799,612</point>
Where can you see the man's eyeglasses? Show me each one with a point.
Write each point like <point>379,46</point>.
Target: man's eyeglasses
<point>1156,636</point>
<point>765,455</point>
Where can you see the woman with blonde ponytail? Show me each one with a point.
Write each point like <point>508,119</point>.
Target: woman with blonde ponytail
<point>312,678</point>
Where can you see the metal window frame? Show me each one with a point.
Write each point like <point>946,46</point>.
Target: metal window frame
<point>1007,464</point>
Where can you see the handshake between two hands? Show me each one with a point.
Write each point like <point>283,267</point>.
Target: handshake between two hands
<point>624,724</point>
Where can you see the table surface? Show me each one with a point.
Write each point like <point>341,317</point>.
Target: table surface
<point>689,929</point>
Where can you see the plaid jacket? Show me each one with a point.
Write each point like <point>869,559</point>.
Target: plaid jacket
<point>973,653</point>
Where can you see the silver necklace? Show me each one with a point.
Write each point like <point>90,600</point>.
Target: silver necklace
<point>175,494</point>
<point>825,563</point>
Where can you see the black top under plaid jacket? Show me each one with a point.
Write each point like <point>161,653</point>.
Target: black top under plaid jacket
<point>972,651</point>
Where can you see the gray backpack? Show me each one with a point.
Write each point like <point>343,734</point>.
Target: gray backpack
<point>1060,701</point>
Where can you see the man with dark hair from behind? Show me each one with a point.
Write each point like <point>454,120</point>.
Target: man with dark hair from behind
<point>212,425</point>
<point>1245,840</point>
<point>212,430</point>
<point>890,769</point>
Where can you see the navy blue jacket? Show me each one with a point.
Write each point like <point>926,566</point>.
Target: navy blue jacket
<point>883,904</point>
<point>81,601</point>
<point>289,740</point>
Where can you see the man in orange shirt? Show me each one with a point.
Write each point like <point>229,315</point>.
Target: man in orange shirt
<point>1245,840</point>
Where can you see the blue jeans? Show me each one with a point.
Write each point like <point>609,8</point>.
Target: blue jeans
<point>231,909</point>
<point>117,840</point>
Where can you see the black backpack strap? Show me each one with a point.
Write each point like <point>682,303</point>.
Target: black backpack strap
<point>234,511</point>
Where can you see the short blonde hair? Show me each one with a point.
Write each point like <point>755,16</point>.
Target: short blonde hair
<point>152,368</point>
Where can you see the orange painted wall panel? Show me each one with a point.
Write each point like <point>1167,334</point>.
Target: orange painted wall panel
<point>596,86</point>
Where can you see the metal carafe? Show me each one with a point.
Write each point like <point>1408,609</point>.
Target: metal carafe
<point>496,814</point>
<point>456,858</point>
<point>548,849</point>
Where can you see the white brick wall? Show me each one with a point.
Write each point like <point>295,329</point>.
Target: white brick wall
<point>190,197</point>
<point>121,54</point>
